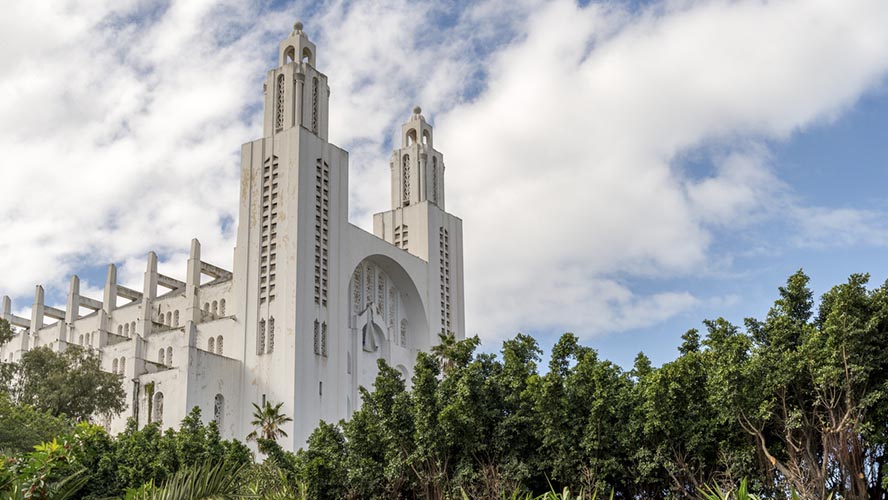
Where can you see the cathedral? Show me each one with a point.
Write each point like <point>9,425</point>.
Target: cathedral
<point>311,301</point>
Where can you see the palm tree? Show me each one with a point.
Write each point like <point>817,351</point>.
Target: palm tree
<point>444,351</point>
<point>208,481</point>
<point>268,421</point>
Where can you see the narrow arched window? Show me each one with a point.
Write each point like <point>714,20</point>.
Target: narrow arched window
<point>406,178</point>
<point>123,366</point>
<point>114,365</point>
<point>260,338</point>
<point>222,307</point>
<point>270,335</point>
<point>215,308</point>
<point>324,339</point>
<point>211,344</point>
<point>404,332</point>
<point>133,328</point>
<point>206,307</point>
<point>314,105</point>
<point>218,409</point>
<point>120,330</point>
<point>176,318</point>
<point>158,408</point>
<point>169,320</point>
<point>434,179</point>
<point>160,354</point>
<point>281,83</point>
<point>219,344</point>
<point>169,356</point>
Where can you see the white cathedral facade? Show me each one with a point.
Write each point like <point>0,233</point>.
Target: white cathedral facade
<point>312,301</point>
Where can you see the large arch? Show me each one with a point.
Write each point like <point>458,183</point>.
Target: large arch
<point>409,294</point>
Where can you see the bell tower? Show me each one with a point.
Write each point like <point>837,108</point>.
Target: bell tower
<point>419,224</point>
<point>417,169</point>
<point>293,209</point>
<point>296,93</point>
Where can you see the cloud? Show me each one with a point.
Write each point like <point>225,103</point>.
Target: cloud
<point>568,133</point>
<point>582,129</point>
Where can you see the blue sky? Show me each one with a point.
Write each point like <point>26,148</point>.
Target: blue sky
<point>624,169</point>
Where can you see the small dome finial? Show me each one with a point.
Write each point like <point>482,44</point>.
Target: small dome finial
<point>417,110</point>
<point>298,27</point>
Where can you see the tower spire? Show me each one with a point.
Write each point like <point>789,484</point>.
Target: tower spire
<point>417,168</point>
<point>296,93</point>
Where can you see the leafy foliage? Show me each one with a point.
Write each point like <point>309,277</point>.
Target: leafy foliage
<point>797,402</point>
<point>70,383</point>
<point>22,427</point>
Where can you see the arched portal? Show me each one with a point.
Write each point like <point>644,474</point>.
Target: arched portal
<point>386,318</point>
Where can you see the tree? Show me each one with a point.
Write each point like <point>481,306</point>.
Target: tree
<point>22,427</point>
<point>322,465</point>
<point>268,421</point>
<point>6,332</point>
<point>70,384</point>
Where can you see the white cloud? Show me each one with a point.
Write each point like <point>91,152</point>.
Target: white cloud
<point>123,128</point>
<point>582,129</point>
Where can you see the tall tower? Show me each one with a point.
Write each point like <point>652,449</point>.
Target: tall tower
<point>293,206</point>
<point>419,224</point>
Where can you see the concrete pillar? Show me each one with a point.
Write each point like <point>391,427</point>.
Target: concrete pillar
<point>109,303</point>
<point>109,300</point>
<point>7,308</point>
<point>149,293</point>
<point>299,97</point>
<point>192,284</point>
<point>72,309</point>
<point>37,310</point>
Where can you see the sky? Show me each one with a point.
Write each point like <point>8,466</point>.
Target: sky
<point>624,169</point>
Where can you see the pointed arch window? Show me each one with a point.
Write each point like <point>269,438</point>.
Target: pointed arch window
<point>403,333</point>
<point>219,345</point>
<point>219,409</point>
<point>435,179</point>
<point>324,339</point>
<point>314,105</point>
<point>158,408</point>
<point>405,195</point>
<point>281,81</point>
<point>260,338</point>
